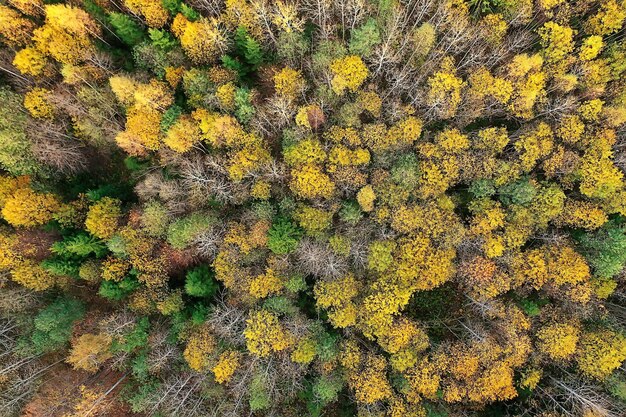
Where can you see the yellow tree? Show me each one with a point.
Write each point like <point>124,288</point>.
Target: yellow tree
<point>31,61</point>
<point>32,276</point>
<point>29,208</point>
<point>310,182</point>
<point>264,334</point>
<point>183,134</point>
<point>288,83</point>
<point>67,34</point>
<point>601,352</point>
<point>153,11</point>
<point>226,365</point>
<point>90,351</point>
<point>558,340</point>
<point>444,89</point>
<point>337,296</point>
<point>199,350</point>
<point>608,19</point>
<point>348,74</point>
<point>370,383</point>
<point>103,217</point>
<point>201,40</point>
<point>557,41</point>
<point>15,30</point>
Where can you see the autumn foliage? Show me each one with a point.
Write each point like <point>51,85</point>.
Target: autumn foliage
<point>372,208</point>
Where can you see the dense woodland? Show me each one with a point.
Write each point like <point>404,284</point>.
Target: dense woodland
<point>372,208</point>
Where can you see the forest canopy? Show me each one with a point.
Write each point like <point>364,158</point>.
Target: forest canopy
<point>342,208</point>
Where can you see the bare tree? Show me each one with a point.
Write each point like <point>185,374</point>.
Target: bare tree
<point>572,396</point>
<point>318,259</point>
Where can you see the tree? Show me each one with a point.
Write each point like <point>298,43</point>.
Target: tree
<point>558,340</point>
<point>227,364</point>
<point>103,217</point>
<point>14,29</point>
<point>182,135</point>
<point>348,74</point>
<point>264,334</point>
<point>248,49</point>
<point>89,352</point>
<point>199,282</point>
<point>154,13</point>
<point>53,324</point>
<point>27,208</point>
<point>609,18</point>
<point>16,154</point>
<point>604,249</point>
<point>371,385</point>
<point>521,192</point>
<point>310,182</point>
<point>126,28</point>
<point>67,34</point>
<point>200,347</point>
<point>202,40</point>
<point>337,297</point>
<point>364,38</point>
<point>288,83</point>
<point>283,236</point>
<point>182,232</point>
<point>556,40</point>
<point>601,352</point>
<point>81,245</point>
<point>444,93</point>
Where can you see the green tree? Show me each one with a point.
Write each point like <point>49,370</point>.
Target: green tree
<point>199,282</point>
<point>248,48</point>
<point>53,324</point>
<point>364,38</point>
<point>62,267</point>
<point>244,108</point>
<point>482,188</point>
<point>129,31</point>
<point>116,291</point>
<point>259,397</point>
<point>16,155</point>
<point>605,248</point>
<point>80,245</point>
<point>292,46</point>
<point>283,236</point>
<point>183,231</point>
<point>519,192</point>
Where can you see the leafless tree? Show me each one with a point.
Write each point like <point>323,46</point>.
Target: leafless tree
<point>208,7</point>
<point>350,13</point>
<point>276,113</point>
<point>572,396</point>
<point>207,243</point>
<point>180,394</point>
<point>15,299</point>
<point>228,321</point>
<point>320,13</point>
<point>20,386</point>
<point>171,192</point>
<point>318,259</point>
<point>53,148</point>
<point>208,175</point>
